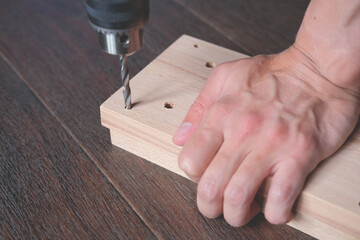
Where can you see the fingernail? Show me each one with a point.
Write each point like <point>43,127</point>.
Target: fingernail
<point>183,129</point>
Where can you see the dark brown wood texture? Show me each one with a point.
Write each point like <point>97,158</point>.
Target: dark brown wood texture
<point>49,187</point>
<point>60,175</point>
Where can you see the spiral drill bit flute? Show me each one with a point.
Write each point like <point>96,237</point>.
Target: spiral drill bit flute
<point>125,81</point>
<point>120,27</point>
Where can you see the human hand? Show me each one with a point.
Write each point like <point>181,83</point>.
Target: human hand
<point>264,116</point>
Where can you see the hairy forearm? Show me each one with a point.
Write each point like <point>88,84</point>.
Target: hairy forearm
<point>330,36</point>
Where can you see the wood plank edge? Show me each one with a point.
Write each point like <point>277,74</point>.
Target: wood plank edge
<point>319,229</point>
<point>145,150</point>
<point>127,125</point>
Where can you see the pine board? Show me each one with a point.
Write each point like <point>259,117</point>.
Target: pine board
<point>329,206</point>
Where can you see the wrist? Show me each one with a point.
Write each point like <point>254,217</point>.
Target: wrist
<point>340,64</point>
<point>329,37</point>
<point>303,72</point>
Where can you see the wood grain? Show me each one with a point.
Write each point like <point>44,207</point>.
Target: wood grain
<point>330,198</point>
<point>48,186</point>
<point>50,45</point>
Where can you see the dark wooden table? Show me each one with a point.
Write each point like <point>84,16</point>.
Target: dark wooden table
<point>60,177</point>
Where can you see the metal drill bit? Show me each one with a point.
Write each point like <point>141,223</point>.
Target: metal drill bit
<point>125,78</point>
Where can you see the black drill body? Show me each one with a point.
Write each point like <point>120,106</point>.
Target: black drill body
<point>117,14</point>
<point>120,27</point>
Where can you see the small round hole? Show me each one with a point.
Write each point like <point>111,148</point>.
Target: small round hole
<point>210,65</point>
<point>124,39</point>
<point>196,45</point>
<point>169,105</point>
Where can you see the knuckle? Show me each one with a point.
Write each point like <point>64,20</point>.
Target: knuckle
<point>283,192</point>
<point>279,133</point>
<point>305,143</point>
<point>204,136</point>
<point>224,156</point>
<point>198,106</point>
<point>183,161</point>
<point>236,195</point>
<point>250,122</point>
<point>208,191</point>
<point>188,160</point>
<point>188,165</point>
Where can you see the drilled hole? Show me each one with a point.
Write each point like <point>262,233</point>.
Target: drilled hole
<point>210,65</point>
<point>169,105</point>
<point>196,45</point>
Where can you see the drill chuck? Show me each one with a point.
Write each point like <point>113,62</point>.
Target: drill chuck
<point>119,23</point>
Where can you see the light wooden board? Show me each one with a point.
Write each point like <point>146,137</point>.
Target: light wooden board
<point>329,206</point>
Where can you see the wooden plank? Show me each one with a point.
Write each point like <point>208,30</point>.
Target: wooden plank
<point>331,196</point>
<point>49,189</point>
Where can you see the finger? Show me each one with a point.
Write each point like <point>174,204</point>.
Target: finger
<point>212,184</point>
<point>203,102</point>
<point>286,185</point>
<point>199,151</point>
<point>239,205</point>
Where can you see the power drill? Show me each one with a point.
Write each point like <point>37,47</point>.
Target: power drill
<point>120,27</point>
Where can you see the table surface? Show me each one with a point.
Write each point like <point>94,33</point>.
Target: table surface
<point>60,177</point>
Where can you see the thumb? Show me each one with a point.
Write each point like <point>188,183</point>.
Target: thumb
<point>198,109</point>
